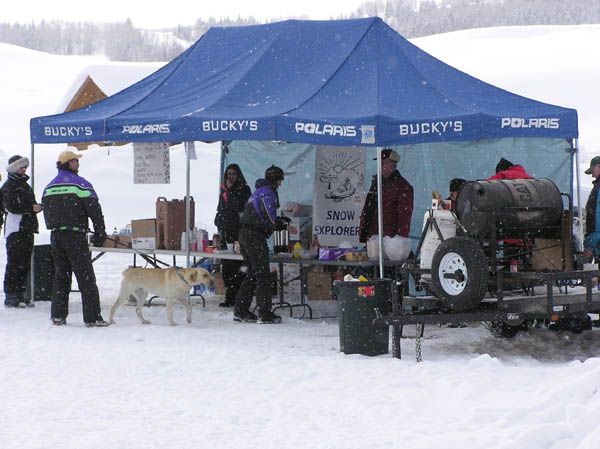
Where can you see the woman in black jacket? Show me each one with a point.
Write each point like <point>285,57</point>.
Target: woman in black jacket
<point>21,223</point>
<point>234,195</point>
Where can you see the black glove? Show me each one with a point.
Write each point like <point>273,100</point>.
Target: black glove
<point>280,223</point>
<point>99,238</point>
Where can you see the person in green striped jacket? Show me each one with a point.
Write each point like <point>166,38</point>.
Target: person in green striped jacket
<point>70,202</point>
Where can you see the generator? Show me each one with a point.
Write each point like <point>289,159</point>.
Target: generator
<point>498,225</point>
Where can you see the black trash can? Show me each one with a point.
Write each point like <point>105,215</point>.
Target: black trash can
<point>43,268</point>
<point>356,304</point>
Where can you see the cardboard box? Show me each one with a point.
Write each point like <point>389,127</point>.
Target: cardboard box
<point>300,230</point>
<point>143,233</point>
<point>111,241</point>
<point>319,285</point>
<point>548,255</point>
<point>356,256</point>
<point>124,241</point>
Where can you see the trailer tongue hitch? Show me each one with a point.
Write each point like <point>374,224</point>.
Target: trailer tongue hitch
<point>458,276</point>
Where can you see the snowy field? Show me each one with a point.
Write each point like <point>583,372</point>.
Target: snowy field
<point>216,384</point>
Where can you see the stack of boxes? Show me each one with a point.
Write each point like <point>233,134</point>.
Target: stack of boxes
<point>164,231</point>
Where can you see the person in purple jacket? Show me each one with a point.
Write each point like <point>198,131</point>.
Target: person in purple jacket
<point>70,201</point>
<point>258,221</point>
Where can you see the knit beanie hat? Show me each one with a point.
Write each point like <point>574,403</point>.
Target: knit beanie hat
<point>16,162</point>
<point>504,164</point>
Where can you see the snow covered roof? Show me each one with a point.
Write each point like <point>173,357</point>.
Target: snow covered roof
<point>110,78</point>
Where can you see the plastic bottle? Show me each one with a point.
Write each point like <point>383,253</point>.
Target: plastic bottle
<point>297,252</point>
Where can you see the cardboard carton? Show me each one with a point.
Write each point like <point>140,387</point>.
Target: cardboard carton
<point>143,234</point>
<point>548,255</point>
<point>300,230</point>
<point>319,285</point>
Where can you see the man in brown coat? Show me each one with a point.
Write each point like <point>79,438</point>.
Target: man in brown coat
<point>397,201</point>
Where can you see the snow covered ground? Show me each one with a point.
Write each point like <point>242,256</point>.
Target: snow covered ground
<point>217,384</point>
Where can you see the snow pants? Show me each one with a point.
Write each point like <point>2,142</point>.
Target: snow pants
<point>253,245</point>
<point>72,255</point>
<point>19,246</point>
<point>231,269</point>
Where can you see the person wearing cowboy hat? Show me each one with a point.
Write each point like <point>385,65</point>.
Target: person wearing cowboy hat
<point>70,201</point>
<point>591,243</point>
<point>21,223</point>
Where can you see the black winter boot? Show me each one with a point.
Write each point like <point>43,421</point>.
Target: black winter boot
<point>244,316</point>
<point>11,300</point>
<point>268,317</point>
<point>26,301</point>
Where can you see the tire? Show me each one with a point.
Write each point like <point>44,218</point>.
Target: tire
<point>501,329</point>
<point>462,257</point>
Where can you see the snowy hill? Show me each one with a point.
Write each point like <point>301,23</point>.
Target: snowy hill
<point>215,384</point>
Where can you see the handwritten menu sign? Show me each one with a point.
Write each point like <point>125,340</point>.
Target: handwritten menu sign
<point>151,163</point>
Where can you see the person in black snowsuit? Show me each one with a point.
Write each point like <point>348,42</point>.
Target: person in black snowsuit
<point>21,223</point>
<point>69,202</point>
<point>259,220</point>
<point>234,195</point>
<point>2,209</point>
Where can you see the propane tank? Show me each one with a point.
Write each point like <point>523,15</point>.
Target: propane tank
<point>447,224</point>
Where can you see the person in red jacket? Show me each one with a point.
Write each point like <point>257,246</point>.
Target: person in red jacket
<point>397,201</point>
<point>507,170</point>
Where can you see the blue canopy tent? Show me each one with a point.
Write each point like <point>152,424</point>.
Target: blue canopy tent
<point>342,83</point>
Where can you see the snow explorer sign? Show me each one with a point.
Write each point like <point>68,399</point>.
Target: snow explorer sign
<point>339,194</point>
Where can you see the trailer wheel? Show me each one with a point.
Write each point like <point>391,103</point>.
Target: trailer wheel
<point>501,329</point>
<point>459,273</point>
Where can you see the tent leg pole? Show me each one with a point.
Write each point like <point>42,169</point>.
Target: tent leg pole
<point>187,203</point>
<point>380,212</point>
<point>579,211</point>
<point>31,265</point>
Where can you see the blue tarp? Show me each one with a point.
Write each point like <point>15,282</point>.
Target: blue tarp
<point>345,82</point>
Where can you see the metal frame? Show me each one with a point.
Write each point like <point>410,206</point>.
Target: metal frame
<point>548,305</point>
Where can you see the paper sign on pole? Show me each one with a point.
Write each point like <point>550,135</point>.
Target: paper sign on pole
<point>190,147</point>
<point>339,194</point>
<point>151,163</point>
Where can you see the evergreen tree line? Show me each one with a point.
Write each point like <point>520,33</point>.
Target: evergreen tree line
<point>124,42</point>
<point>451,15</point>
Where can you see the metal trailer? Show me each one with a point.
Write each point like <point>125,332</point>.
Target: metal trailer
<point>470,277</point>
<point>509,310</point>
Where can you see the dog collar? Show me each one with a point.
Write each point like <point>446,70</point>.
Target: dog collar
<point>180,276</point>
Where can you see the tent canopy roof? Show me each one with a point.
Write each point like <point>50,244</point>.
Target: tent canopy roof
<point>342,82</point>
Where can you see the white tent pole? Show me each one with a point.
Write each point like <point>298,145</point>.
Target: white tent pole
<point>380,212</point>
<point>31,269</point>
<point>187,203</point>
<point>579,211</point>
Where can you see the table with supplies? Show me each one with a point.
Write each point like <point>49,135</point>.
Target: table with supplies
<point>313,284</point>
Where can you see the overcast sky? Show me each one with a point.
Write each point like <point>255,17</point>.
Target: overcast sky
<point>169,13</point>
